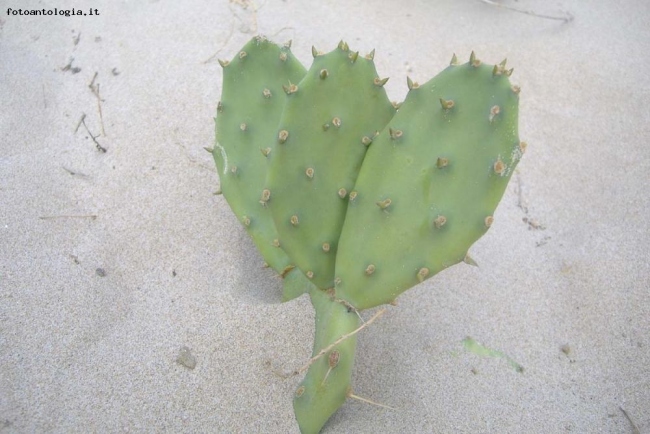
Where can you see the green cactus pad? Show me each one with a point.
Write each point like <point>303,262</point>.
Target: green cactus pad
<point>330,118</point>
<point>429,183</point>
<point>248,114</point>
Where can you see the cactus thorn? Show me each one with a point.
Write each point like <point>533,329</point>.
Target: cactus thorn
<point>243,126</point>
<point>380,81</point>
<point>266,195</point>
<point>332,360</point>
<point>473,60</point>
<point>218,192</point>
<point>494,111</point>
<point>294,220</point>
<point>326,127</point>
<point>440,221</point>
<point>223,63</point>
<point>266,151</point>
<point>210,150</point>
<point>488,221</point>
<point>336,122</point>
<point>383,204</point>
<point>342,193</point>
<point>309,274</point>
<point>283,57</point>
<point>219,107</point>
<point>353,195</point>
<point>314,51</point>
<point>287,44</point>
<point>515,89</point>
<point>283,136</point>
<point>523,146</point>
<point>286,270</point>
<point>503,63</point>
<point>242,54</point>
<point>266,93</point>
<point>246,221</point>
<point>371,55</point>
<point>323,74</point>
<point>442,162</point>
<point>309,172</point>
<point>446,103</point>
<point>454,60</point>
<point>509,72</point>
<point>370,269</point>
<point>499,167</point>
<point>469,261</point>
<point>233,170</point>
<point>353,56</point>
<point>411,84</point>
<point>367,401</point>
<point>422,274</point>
<point>396,105</point>
<point>366,140</point>
<point>300,391</point>
<point>276,243</point>
<point>394,134</point>
<point>343,46</point>
<point>291,88</point>
<point>326,247</point>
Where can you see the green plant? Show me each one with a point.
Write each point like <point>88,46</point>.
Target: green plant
<point>353,199</point>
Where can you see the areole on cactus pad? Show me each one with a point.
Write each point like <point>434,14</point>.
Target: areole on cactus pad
<point>351,199</point>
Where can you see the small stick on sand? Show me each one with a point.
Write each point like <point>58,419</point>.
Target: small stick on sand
<point>568,18</point>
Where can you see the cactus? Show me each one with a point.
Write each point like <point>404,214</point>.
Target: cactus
<point>248,113</point>
<point>364,200</point>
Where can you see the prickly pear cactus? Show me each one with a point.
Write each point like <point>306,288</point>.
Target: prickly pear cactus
<point>251,104</point>
<point>328,122</point>
<point>445,158</point>
<point>367,202</point>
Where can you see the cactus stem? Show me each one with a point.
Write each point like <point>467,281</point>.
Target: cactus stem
<point>325,350</point>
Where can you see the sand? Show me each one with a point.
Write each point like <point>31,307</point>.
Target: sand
<point>112,262</point>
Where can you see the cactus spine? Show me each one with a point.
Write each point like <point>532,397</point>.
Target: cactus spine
<point>353,199</point>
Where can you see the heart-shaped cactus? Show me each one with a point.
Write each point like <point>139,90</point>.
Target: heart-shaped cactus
<point>352,200</point>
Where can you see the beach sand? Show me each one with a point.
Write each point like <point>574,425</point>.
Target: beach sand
<point>115,254</point>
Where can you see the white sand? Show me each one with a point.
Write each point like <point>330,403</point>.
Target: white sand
<point>84,353</point>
